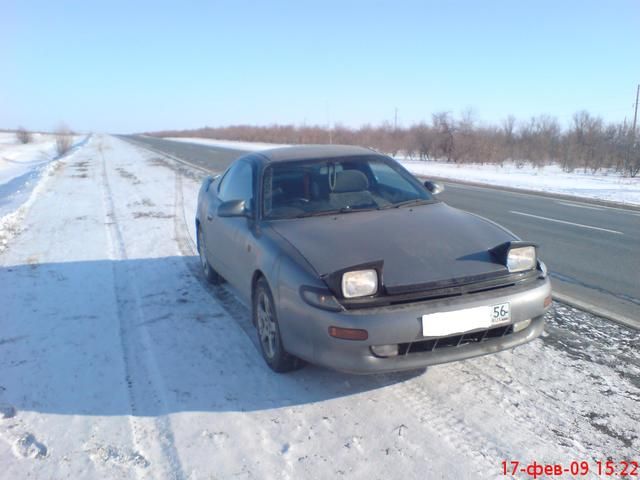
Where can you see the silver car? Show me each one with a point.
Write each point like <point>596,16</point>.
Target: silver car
<point>350,262</point>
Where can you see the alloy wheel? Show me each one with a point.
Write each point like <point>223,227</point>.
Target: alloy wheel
<point>267,329</point>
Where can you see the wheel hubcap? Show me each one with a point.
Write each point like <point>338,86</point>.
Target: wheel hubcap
<point>266,325</point>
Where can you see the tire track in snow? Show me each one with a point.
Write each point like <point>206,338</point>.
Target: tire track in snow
<point>227,300</point>
<point>220,293</point>
<point>144,382</point>
<point>480,451</point>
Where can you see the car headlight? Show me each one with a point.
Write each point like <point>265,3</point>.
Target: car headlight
<point>520,259</point>
<point>359,283</point>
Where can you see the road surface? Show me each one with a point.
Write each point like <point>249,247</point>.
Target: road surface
<point>592,251</point>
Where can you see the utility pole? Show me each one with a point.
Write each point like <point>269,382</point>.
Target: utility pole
<point>635,114</point>
<point>395,119</point>
<point>632,143</point>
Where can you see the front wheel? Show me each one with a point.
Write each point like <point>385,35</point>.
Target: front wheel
<point>209,273</point>
<point>266,322</point>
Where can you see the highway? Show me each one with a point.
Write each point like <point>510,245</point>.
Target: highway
<point>592,251</point>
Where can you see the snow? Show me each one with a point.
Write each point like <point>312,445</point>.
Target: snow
<point>609,186</point>
<point>21,165</point>
<point>231,144</point>
<point>119,361</point>
<point>17,158</point>
<point>551,179</point>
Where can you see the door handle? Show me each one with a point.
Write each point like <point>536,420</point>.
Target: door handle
<point>209,217</point>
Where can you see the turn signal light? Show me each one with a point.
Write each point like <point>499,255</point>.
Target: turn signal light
<point>547,301</point>
<point>348,333</point>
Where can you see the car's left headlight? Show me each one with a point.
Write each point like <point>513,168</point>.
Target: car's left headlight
<point>359,283</point>
<point>520,259</point>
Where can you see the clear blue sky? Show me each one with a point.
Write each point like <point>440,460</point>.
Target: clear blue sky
<point>134,65</point>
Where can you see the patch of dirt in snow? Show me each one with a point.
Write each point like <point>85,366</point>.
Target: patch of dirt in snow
<point>217,438</point>
<point>178,168</point>
<point>128,175</point>
<point>585,337</point>
<point>152,215</point>
<point>109,454</point>
<point>145,202</point>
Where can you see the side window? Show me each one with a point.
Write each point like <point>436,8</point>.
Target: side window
<point>237,184</point>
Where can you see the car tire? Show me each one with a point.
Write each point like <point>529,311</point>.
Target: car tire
<point>268,329</point>
<point>209,273</point>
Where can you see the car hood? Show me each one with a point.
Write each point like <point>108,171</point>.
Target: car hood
<point>418,245</point>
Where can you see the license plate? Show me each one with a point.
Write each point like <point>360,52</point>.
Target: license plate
<point>460,321</point>
<point>500,313</point>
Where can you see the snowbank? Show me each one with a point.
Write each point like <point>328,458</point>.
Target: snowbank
<point>16,158</point>
<point>22,165</point>
<point>24,169</point>
<point>551,179</point>
<point>231,144</point>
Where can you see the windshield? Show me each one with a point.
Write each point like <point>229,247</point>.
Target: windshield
<point>338,185</point>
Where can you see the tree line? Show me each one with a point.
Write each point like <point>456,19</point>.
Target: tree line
<point>587,143</point>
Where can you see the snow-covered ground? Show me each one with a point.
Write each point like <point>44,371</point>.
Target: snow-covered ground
<point>117,360</point>
<point>21,165</point>
<point>611,186</point>
<point>232,144</point>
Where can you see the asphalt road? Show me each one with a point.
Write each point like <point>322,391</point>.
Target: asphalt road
<point>591,250</point>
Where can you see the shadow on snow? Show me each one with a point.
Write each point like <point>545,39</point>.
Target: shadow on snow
<point>142,337</point>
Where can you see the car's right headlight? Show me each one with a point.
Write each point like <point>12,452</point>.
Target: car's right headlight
<point>359,283</point>
<point>520,259</point>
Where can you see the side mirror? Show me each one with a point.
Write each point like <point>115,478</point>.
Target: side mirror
<point>206,183</point>
<point>434,187</point>
<point>233,208</point>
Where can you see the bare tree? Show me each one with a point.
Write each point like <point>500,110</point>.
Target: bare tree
<point>423,139</point>
<point>23,135</point>
<point>444,127</point>
<point>64,139</point>
<point>588,142</point>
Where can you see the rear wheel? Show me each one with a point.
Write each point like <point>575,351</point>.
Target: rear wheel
<point>266,322</point>
<point>209,273</point>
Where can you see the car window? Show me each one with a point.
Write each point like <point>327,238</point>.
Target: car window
<point>237,183</point>
<point>387,177</point>
<point>337,185</point>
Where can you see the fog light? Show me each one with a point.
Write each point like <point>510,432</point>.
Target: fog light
<point>518,326</point>
<point>385,350</point>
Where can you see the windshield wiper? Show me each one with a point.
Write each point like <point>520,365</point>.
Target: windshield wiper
<point>406,203</point>
<point>335,212</point>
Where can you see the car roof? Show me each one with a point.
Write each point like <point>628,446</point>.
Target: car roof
<point>309,152</point>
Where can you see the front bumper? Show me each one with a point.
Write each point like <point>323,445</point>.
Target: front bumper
<point>402,324</point>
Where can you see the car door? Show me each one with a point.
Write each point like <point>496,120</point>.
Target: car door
<point>228,241</point>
